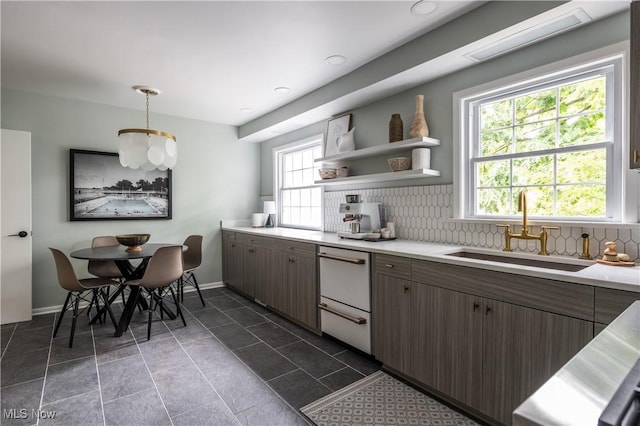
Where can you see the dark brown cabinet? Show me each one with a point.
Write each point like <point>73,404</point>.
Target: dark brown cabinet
<point>255,262</point>
<point>231,259</point>
<point>294,288</point>
<point>392,302</point>
<point>521,349</point>
<point>245,260</point>
<point>426,332</point>
<point>609,303</point>
<point>244,257</point>
<point>634,88</point>
<point>436,324</point>
<point>279,273</point>
<point>392,328</point>
<point>448,333</point>
<point>301,281</point>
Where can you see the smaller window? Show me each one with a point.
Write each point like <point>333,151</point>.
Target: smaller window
<point>299,200</point>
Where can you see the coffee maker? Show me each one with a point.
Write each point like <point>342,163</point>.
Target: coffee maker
<point>361,218</point>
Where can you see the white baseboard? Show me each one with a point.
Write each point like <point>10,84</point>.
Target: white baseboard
<point>188,289</point>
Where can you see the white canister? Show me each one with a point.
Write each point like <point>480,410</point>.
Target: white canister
<point>421,158</point>
<point>258,220</point>
<point>391,227</point>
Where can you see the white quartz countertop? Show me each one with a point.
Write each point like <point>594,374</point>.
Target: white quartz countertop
<point>617,277</point>
<point>579,392</point>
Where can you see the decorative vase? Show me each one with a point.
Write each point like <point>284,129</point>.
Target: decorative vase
<point>395,128</point>
<point>346,142</point>
<point>419,126</point>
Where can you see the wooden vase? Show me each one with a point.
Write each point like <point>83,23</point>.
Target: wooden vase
<point>419,126</point>
<point>396,128</point>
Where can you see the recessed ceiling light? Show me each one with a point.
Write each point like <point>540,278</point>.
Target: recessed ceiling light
<point>424,7</point>
<point>336,59</point>
<point>245,109</point>
<point>282,90</point>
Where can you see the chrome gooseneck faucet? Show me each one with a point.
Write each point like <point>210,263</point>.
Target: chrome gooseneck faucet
<point>524,233</point>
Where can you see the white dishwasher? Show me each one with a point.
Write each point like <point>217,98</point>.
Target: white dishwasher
<point>345,301</point>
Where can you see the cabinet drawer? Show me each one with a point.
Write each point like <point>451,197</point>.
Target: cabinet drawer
<point>399,267</point>
<point>559,297</point>
<point>293,246</point>
<point>346,323</point>
<point>610,303</point>
<point>255,240</point>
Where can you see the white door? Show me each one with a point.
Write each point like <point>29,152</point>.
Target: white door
<point>15,218</point>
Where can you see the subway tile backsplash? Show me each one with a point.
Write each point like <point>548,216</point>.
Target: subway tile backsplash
<point>423,213</point>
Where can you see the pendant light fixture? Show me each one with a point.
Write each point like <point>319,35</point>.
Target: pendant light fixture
<point>146,148</point>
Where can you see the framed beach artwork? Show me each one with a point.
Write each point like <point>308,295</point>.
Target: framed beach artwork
<point>335,128</point>
<point>101,189</point>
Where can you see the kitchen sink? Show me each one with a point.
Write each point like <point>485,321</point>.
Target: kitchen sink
<point>561,266</point>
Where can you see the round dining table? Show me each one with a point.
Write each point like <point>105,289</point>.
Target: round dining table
<point>122,259</point>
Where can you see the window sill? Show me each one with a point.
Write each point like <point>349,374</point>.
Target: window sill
<point>533,222</point>
<point>300,227</point>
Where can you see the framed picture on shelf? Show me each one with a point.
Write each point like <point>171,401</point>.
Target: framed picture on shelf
<point>335,128</point>
<point>101,189</point>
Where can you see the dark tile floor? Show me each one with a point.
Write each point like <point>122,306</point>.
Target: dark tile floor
<point>234,363</point>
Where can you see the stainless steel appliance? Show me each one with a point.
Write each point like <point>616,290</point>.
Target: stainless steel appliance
<point>345,302</point>
<point>362,219</point>
<point>597,386</point>
<point>624,407</point>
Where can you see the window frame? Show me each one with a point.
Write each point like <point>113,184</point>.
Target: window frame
<point>278,177</point>
<point>618,195</point>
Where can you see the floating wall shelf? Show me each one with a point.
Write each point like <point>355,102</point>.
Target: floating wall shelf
<point>380,177</point>
<point>376,151</point>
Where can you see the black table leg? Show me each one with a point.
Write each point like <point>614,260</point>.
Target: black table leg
<point>128,310</point>
<point>131,273</point>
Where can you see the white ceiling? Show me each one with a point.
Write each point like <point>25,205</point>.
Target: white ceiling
<point>210,59</point>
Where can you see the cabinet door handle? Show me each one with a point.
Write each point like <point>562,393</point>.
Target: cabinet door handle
<point>476,306</point>
<point>341,259</point>
<point>487,309</point>
<point>388,265</point>
<point>357,320</point>
<point>292,260</point>
<point>233,244</point>
<point>406,288</point>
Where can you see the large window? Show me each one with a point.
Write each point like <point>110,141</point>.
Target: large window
<point>299,201</point>
<point>555,135</point>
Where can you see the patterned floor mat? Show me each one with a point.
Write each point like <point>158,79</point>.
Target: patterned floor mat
<point>379,399</point>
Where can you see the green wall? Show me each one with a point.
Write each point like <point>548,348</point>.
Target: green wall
<point>371,121</point>
<point>216,178</point>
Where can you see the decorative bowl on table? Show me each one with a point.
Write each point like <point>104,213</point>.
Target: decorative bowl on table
<point>133,241</point>
<point>399,163</point>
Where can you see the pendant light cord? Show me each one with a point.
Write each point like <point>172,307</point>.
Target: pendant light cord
<point>147,96</point>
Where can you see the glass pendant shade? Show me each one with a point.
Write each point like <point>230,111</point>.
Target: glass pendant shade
<point>146,148</point>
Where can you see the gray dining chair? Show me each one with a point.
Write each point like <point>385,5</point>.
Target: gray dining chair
<point>106,268</point>
<point>76,289</point>
<point>163,269</point>
<point>192,260</point>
